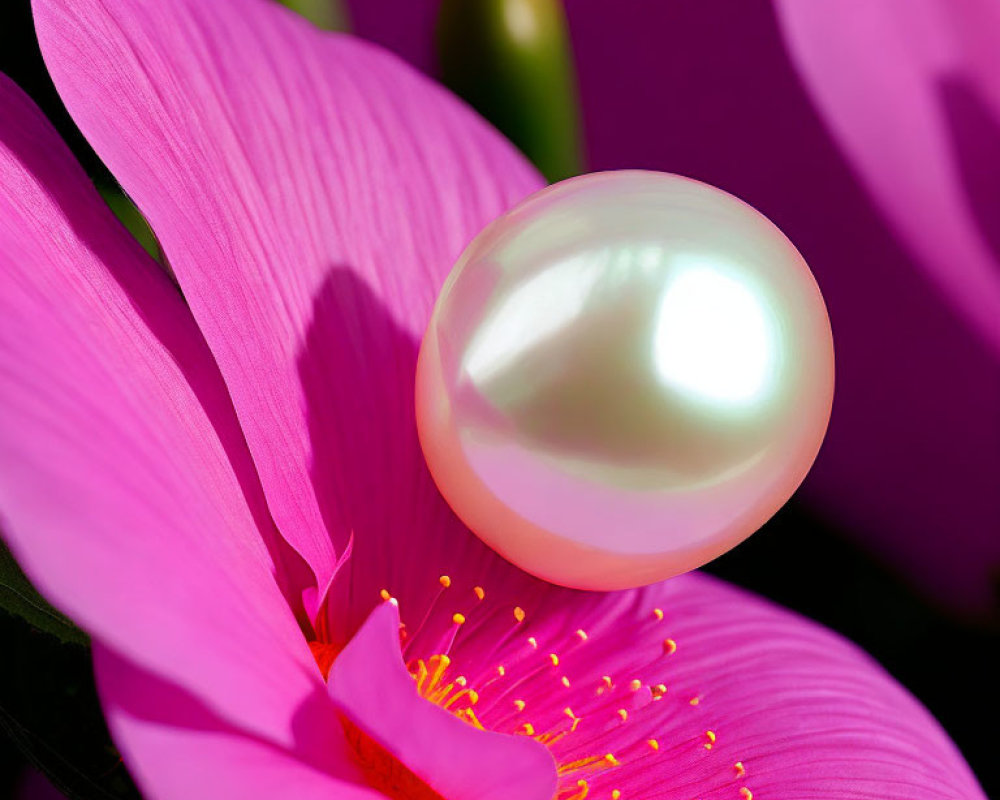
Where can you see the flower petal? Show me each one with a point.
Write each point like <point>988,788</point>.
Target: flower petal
<point>904,83</point>
<point>708,691</point>
<point>286,172</point>
<point>124,484</point>
<point>159,729</point>
<point>376,693</point>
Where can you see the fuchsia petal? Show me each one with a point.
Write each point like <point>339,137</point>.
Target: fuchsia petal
<point>117,492</point>
<point>177,748</point>
<point>787,708</point>
<point>375,692</point>
<point>292,177</point>
<point>911,90</point>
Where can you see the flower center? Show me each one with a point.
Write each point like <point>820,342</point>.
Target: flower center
<point>383,770</point>
<point>435,684</point>
<point>502,696</point>
<point>498,668</point>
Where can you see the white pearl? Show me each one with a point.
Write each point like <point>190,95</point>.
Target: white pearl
<point>624,377</point>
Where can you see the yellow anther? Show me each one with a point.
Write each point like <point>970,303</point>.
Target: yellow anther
<point>554,659</point>
<point>658,613</point>
<point>623,714</point>
<point>518,613</point>
<point>653,744</point>
<point>745,793</point>
<point>659,690</point>
<point>669,646</point>
<point>615,794</point>
<point>606,679</point>
<point>582,634</point>
<point>445,581</point>
<point>479,592</point>
<point>501,670</point>
<point>519,705</point>
<point>739,769</point>
<point>576,720</point>
<point>565,681</point>
<point>458,619</point>
<point>533,642</point>
<point>710,735</point>
<point>635,685</point>
<point>473,696</point>
<point>384,594</point>
<point>528,728</point>
<point>610,758</point>
<point>461,681</point>
<point>694,701</point>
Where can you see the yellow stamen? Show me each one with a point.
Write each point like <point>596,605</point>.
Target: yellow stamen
<point>576,720</point>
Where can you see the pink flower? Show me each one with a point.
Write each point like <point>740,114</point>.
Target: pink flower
<point>191,476</point>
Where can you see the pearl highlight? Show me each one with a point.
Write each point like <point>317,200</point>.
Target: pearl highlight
<point>624,377</point>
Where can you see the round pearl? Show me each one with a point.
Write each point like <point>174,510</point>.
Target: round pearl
<point>624,377</point>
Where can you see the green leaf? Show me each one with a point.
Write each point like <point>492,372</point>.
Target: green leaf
<point>130,217</point>
<point>329,15</point>
<point>19,597</point>
<point>50,712</point>
<point>511,60</point>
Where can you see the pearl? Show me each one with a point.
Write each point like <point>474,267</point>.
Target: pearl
<point>624,377</point>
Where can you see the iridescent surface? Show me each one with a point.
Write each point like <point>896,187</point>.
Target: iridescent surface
<point>623,378</point>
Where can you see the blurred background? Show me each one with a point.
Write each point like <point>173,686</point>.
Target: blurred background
<point>869,132</point>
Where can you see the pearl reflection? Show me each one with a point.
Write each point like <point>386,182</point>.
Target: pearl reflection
<point>536,310</point>
<point>714,340</point>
